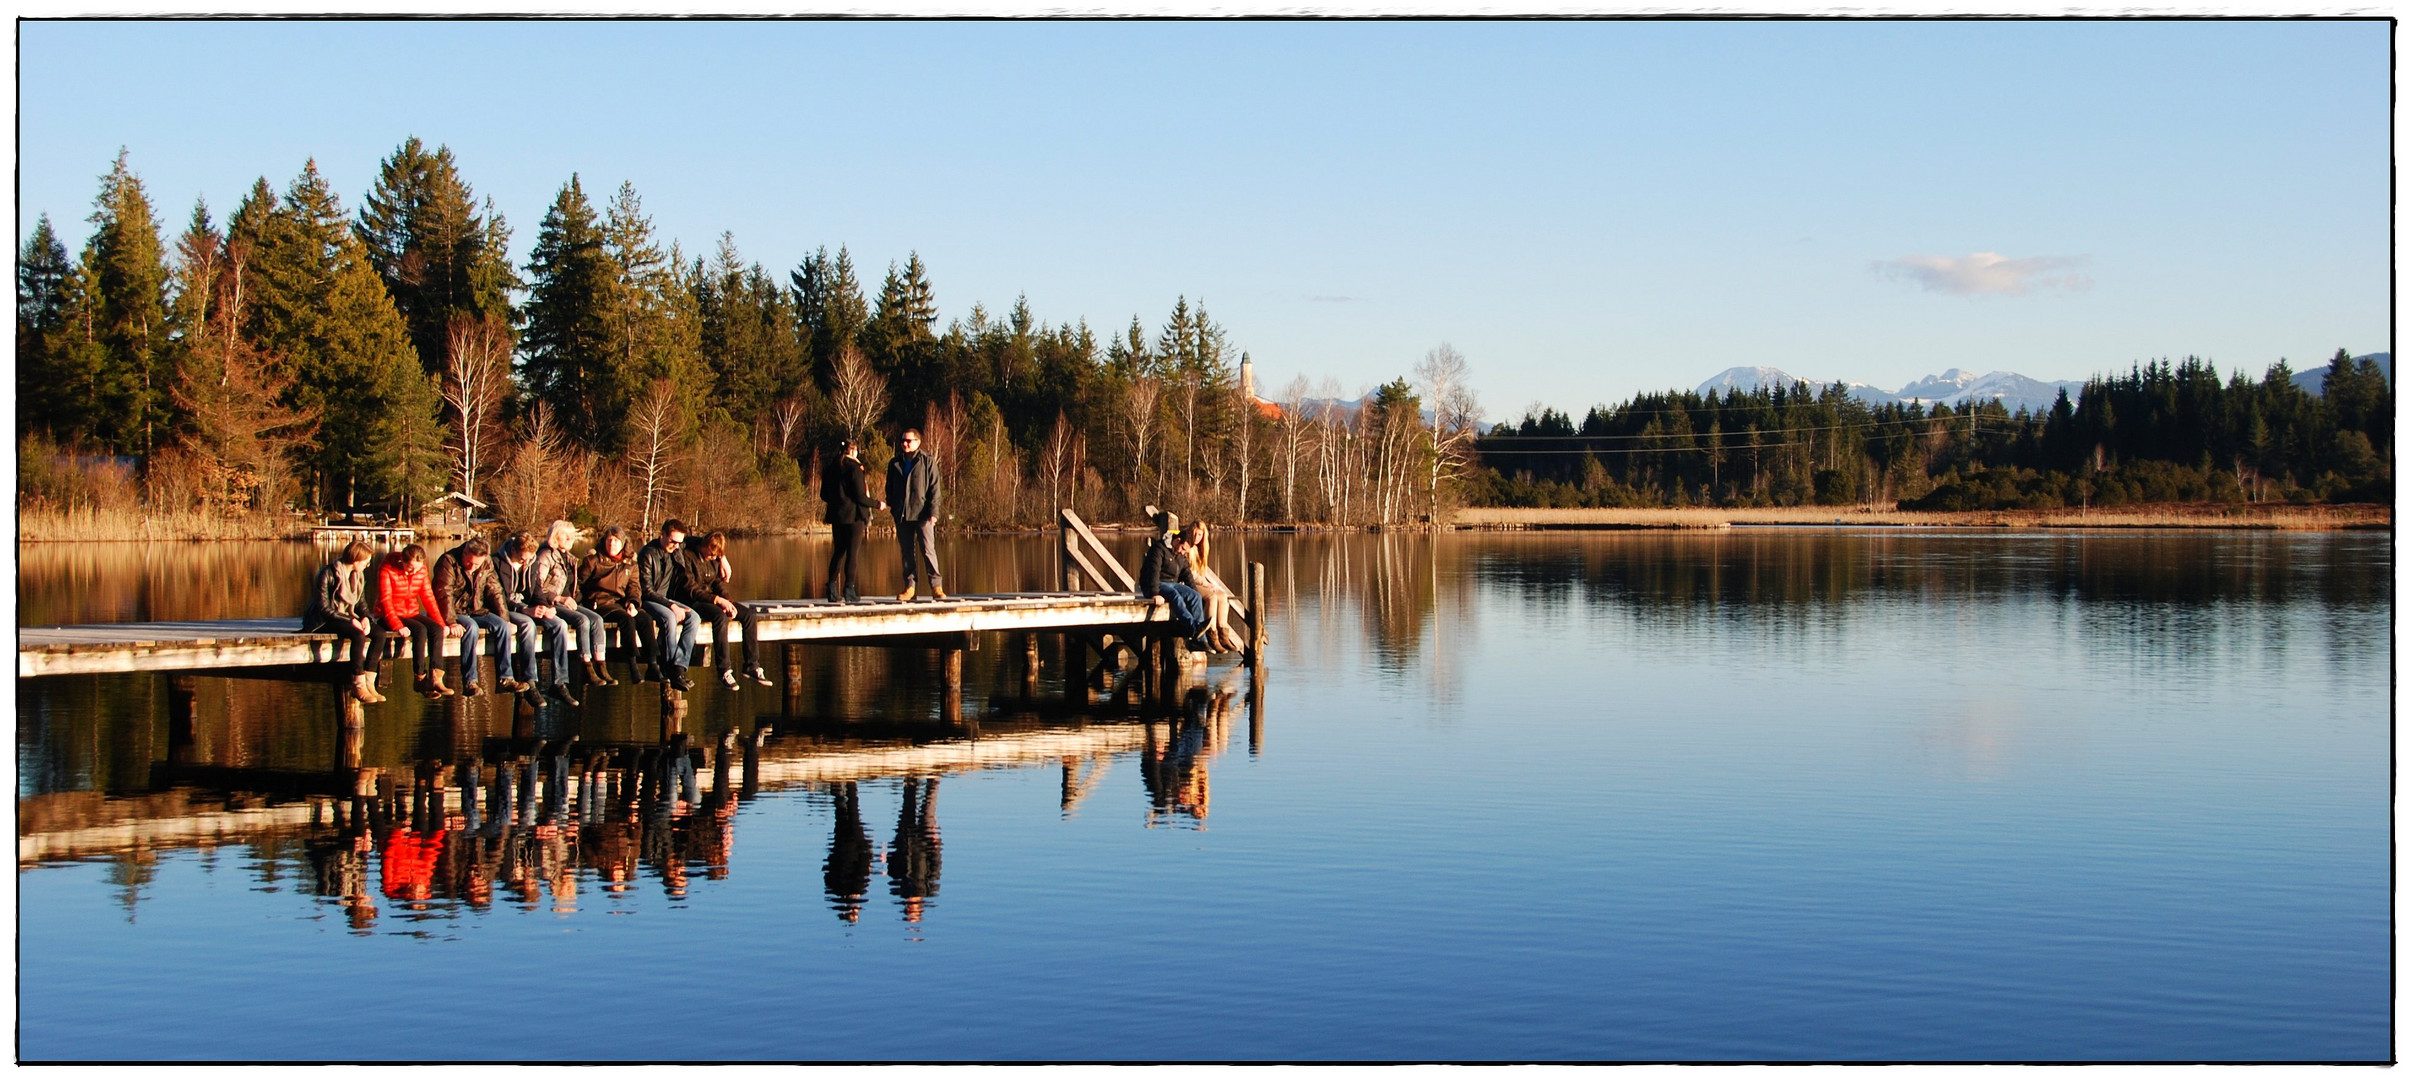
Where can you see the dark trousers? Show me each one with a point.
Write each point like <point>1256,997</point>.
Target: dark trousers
<point>426,637</point>
<point>745,620</point>
<point>845,555</point>
<point>365,644</point>
<point>635,635</point>
<point>920,537</point>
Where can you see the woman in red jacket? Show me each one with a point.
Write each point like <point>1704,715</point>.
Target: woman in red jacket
<point>407,603</point>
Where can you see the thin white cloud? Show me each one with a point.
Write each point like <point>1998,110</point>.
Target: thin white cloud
<point>1988,273</point>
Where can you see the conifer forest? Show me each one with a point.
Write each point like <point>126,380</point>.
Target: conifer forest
<point>305,355</point>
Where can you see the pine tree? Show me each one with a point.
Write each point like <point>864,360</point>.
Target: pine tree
<point>435,253</point>
<point>126,273</point>
<point>568,348</point>
<point>51,394</point>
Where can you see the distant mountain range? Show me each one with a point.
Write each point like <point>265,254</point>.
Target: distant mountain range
<point>1957,387</point>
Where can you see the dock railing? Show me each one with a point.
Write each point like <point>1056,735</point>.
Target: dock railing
<point>1082,564</point>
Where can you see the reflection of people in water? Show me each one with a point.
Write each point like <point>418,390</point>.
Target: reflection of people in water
<point>912,865</point>
<point>342,865</point>
<point>406,870</point>
<point>1175,771</point>
<point>848,871</point>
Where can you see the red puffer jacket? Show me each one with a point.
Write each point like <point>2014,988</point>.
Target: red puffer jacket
<point>402,592</point>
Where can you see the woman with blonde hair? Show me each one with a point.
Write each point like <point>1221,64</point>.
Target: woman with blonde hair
<point>557,578</point>
<point>1217,596</point>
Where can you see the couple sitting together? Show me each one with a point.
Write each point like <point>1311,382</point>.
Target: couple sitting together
<point>1175,572</point>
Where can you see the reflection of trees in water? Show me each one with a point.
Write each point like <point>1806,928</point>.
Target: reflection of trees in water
<point>157,582</point>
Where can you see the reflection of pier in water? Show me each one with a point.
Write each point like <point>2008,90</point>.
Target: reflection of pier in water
<point>205,805</point>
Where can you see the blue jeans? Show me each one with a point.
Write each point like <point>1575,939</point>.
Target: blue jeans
<point>677,636</point>
<point>589,626</point>
<point>1188,608</point>
<point>494,626</point>
<point>556,648</point>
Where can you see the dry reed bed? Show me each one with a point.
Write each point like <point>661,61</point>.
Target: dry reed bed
<point>85,524</point>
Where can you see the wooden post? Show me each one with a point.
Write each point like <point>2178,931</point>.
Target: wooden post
<point>1257,616</point>
<point>792,701</point>
<point>1171,649</point>
<point>355,729</point>
<point>1029,666</point>
<point>183,715</point>
<point>1255,712</point>
<point>951,661</point>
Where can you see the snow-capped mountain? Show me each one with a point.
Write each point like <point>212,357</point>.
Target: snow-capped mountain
<point>1952,387</point>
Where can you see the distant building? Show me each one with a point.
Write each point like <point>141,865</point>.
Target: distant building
<point>1247,389</point>
<point>453,509</point>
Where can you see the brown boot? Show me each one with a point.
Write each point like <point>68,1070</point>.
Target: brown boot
<point>435,682</point>
<point>905,597</point>
<point>937,592</point>
<point>364,687</point>
<point>599,674</point>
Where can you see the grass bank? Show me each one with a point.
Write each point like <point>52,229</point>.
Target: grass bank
<point>2284,516</point>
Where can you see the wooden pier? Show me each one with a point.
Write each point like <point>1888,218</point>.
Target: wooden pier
<point>1109,623</point>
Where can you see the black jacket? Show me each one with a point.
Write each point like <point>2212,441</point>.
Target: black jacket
<point>914,498</point>
<point>697,577</point>
<point>459,592</point>
<point>522,586</point>
<point>335,596</point>
<point>657,573</point>
<point>842,488</point>
<point>1162,563</point>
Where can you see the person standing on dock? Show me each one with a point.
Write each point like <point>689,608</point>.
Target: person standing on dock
<point>336,607</point>
<point>850,509</point>
<point>524,591</point>
<point>557,579</point>
<point>912,490</point>
<point>471,597</point>
<point>408,605</point>
<point>674,624</point>
<point>608,578</point>
<point>703,585</point>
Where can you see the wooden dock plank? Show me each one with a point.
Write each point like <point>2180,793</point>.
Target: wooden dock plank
<point>239,643</point>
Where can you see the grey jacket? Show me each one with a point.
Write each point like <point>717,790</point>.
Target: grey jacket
<point>913,496</point>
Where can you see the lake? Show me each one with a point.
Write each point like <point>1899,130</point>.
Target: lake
<point>1745,795</point>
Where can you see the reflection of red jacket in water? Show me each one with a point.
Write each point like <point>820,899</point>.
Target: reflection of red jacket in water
<point>407,870</point>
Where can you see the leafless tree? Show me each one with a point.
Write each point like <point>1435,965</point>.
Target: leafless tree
<point>1243,443</point>
<point>787,420</point>
<point>1456,417</point>
<point>537,474</point>
<point>476,376</point>
<point>1138,416</point>
<point>656,426</point>
<point>240,436</point>
<point>1055,458</point>
<point>859,396</point>
<point>1293,438</point>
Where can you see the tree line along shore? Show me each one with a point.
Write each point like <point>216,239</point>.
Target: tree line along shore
<point>300,359</point>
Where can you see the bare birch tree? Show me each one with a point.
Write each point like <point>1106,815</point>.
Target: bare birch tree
<point>859,394</point>
<point>1293,438</point>
<point>476,376</point>
<point>1456,418</point>
<point>655,428</point>
<point>1055,458</point>
<point>1138,416</point>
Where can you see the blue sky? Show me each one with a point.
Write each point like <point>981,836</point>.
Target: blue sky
<point>1585,210</point>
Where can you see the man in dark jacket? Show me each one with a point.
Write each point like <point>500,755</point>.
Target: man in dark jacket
<point>674,623</point>
<point>471,597</point>
<point>912,495</point>
<point>1161,571</point>
<point>523,590</point>
<point>850,508</point>
<point>703,585</point>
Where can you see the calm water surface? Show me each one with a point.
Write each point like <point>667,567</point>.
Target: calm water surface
<point>1747,795</point>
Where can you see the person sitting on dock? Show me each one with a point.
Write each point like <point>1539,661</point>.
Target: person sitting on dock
<point>850,509</point>
<point>675,625</point>
<point>524,591</point>
<point>336,608</point>
<point>408,605</point>
<point>913,479</point>
<point>1217,597</point>
<point>557,579</point>
<point>472,600</point>
<point>607,577</point>
<point>1161,570</point>
<point>702,584</point>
